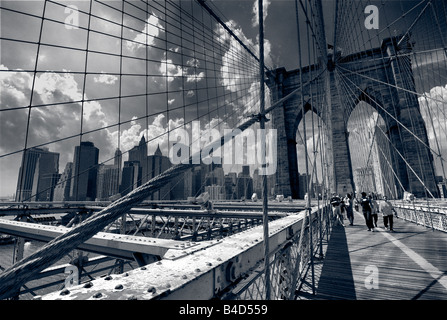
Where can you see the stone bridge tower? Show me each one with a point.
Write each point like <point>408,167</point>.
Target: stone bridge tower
<point>379,78</point>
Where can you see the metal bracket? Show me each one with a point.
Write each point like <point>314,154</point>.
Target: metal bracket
<point>259,116</point>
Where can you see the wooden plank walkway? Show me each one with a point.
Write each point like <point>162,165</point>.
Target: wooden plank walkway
<point>407,264</point>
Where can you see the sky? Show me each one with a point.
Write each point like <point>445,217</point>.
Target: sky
<point>53,121</point>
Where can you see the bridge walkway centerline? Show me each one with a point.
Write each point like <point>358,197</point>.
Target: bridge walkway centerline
<point>407,264</point>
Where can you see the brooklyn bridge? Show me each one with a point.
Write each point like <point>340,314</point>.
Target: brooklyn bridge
<point>223,150</point>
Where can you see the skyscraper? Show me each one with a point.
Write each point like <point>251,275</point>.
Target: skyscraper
<point>118,159</point>
<point>62,188</point>
<point>244,184</point>
<point>156,164</point>
<point>37,175</point>
<point>108,182</point>
<point>230,186</point>
<point>84,177</point>
<point>130,176</point>
<point>118,162</point>
<point>139,153</point>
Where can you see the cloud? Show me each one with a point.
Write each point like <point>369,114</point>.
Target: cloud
<point>255,11</point>
<point>147,36</point>
<point>172,71</point>
<point>195,77</point>
<point>106,78</point>
<point>49,121</point>
<point>434,114</point>
<point>233,76</point>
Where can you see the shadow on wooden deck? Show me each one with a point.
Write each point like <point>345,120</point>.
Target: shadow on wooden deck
<point>336,280</point>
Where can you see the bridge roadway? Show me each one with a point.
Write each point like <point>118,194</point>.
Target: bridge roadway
<point>407,264</point>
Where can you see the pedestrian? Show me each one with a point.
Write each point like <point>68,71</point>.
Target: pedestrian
<point>335,202</point>
<point>349,208</point>
<point>367,211</point>
<point>374,210</point>
<point>387,210</point>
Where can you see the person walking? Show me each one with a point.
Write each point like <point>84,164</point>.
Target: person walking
<point>387,210</point>
<point>367,211</point>
<point>349,202</point>
<point>335,202</point>
<point>374,209</point>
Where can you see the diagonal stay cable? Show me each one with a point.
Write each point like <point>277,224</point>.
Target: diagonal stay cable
<point>389,114</point>
<point>387,84</point>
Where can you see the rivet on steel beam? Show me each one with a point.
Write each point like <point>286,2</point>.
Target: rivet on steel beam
<point>119,287</point>
<point>65,292</point>
<point>97,295</point>
<point>88,285</point>
<point>152,289</point>
<point>108,278</point>
<point>159,262</point>
<point>143,268</point>
<point>209,264</point>
<point>197,270</point>
<point>184,277</point>
<point>132,298</point>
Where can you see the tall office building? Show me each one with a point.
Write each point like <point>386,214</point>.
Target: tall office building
<point>244,184</point>
<point>215,192</point>
<point>156,164</point>
<point>85,171</point>
<point>139,153</point>
<point>62,188</point>
<point>130,176</point>
<point>118,158</point>
<point>257,183</point>
<point>37,176</point>
<point>230,186</point>
<point>118,162</point>
<point>107,182</point>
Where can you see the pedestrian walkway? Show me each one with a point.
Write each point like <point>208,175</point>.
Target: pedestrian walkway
<point>407,264</point>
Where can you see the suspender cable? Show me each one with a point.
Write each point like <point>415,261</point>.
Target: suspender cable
<point>265,217</point>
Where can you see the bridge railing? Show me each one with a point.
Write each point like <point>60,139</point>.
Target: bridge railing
<point>428,215</point>
<point>289,264</point>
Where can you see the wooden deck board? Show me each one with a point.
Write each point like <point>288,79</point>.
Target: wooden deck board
<point>353,249</point>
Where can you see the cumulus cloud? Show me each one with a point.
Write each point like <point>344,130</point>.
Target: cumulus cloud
<point>433,105</point>
<point>147,36</point>
<point>255,18</point>
<point>54,121</point>
<point>233,76</point>
<point>172,71</point>
<point>105,78</point>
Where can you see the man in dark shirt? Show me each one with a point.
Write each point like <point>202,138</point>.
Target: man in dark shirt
<point>367,211</point>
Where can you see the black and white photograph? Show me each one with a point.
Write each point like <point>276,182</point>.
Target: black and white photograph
<point>239,158</point>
